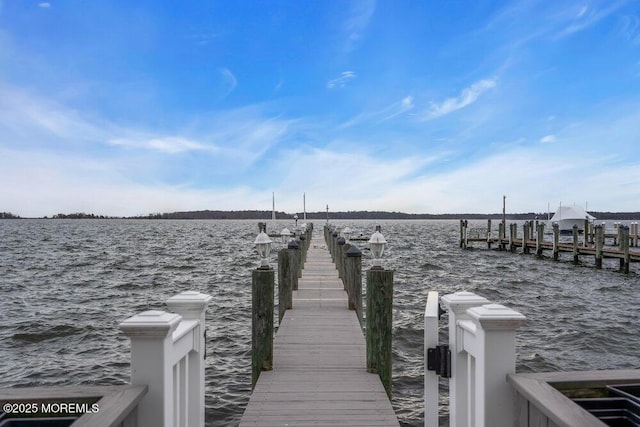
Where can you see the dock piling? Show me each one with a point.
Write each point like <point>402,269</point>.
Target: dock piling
<point>379,324</point>
<point>556,241</point>
<point>599,241</point>
<point>285,285</point>
<point>261,322</point>
<point>353,269</point>
<point>575,244</point>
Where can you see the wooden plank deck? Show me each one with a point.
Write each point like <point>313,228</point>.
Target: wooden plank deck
<point>319,374</point>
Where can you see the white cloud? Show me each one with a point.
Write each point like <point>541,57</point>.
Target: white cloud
<point>229,80</point>
<point>44,5</point>
<point>358,21</point>
<point>345,77</point>
<point>167,144</point>
<point>467,97</point>
<point>548,139</point>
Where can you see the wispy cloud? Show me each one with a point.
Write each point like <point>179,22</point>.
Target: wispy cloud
<point>167,144</point>
<point>588,16</point>
<point>467,97</point>
<point>44,5</point>
<point>357,22</point>
<point>228,80</point>
<point>345,77</point>
<point>396,109</point>
<point>548,139</point>
<point>630,29</point>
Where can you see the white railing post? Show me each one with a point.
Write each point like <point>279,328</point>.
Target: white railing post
<point>430,377</point>
<point>192,305</point>
<point>151,343</point>
<point>457,305</point>
<point>495,358</point>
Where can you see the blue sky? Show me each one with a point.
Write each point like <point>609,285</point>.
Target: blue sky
<point>127,108</point>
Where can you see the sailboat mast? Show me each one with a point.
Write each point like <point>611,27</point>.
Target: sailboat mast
<point>273,206</point>
<point>304,206</point>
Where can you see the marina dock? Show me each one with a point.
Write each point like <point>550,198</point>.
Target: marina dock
<point>533,240</point>
<point>319,374</point>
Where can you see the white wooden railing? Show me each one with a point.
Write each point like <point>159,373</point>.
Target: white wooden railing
<point>168,355</point>
<point>482,345</point>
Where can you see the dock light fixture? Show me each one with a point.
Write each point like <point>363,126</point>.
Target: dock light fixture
<point>295,217</point>
<point>263,245</point>
<point>377,244</point>
<point>285,235</point>
<point>346,232</point>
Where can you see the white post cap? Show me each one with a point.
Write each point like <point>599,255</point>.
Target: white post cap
<point>191,302</point>
<point>496,317</point>
<point>152,323</point>
<point>460,301</point>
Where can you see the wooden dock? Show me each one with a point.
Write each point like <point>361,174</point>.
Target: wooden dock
<point>319,374</point>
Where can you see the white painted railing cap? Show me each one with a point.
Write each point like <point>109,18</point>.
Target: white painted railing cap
<point>152,323</point>
<point>496,317</point>
<point>189,301</point>
<point>460,301</point>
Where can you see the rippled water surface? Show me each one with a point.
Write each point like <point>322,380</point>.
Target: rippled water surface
<point>65,285</point>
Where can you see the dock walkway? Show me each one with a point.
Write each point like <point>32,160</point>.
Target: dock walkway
<point>319,374</point>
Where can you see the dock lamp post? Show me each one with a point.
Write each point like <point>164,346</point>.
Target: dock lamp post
<point>377,244</point>
<point>263,245</point>
<point>262,286</point>
<point>379,316</point>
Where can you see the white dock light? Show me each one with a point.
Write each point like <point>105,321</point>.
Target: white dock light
<point>285,234</point>
<point>263,245</point>
<point>377,244</point>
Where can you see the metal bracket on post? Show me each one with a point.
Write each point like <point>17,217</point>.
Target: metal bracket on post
<point>439,360</point>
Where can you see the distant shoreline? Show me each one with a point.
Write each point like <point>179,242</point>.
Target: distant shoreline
<point>348,215</point>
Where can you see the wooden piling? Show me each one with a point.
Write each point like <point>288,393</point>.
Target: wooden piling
<point>539,238</point>
<point>624,262</point>
<point>599,241</point>
<point>575,244</point>
<point>379,324</point>
<point>525,237</point>
<point>462,233</point>
<point>285,285</point>
<point>556,241</point>
<point>340,256</point>
<point>500,233</point>
<point>294,262</point>
<point>261,322</point>
<point>353,270</point>
<point>489,233</point>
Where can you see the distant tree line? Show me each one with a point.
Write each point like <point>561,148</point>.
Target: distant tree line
<point>8,215</point>
<point>78,215</point>
<point>374,215</point>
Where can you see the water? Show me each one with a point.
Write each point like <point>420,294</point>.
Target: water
<point>67,284</point>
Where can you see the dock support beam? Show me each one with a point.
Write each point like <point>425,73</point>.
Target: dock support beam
<point>379,324</point>
<point>261,322</point>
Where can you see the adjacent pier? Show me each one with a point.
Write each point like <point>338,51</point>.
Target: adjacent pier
<point>319,374</point>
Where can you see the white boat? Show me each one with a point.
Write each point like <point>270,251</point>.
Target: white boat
<point>568,216</point>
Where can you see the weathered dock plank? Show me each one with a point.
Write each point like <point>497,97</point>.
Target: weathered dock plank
<point>319,374</point>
